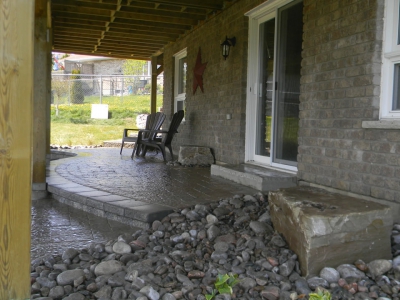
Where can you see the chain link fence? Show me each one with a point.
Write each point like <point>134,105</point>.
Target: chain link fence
<point>99,89</point>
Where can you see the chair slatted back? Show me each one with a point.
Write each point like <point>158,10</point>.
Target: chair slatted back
<point>153,122</point>
<point>173,127</point>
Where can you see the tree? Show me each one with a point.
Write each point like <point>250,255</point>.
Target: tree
<point>59,88</point>
<point>77,96</point>
<point>136,68</point>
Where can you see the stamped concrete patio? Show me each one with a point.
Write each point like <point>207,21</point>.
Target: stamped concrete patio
<point>102,195</point>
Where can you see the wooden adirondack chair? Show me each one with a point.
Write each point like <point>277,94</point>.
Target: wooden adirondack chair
<point>153,122</point>
<point>165,141</point>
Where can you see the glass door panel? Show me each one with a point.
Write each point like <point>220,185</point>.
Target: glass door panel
<point>266,88</point>
<point>288,83</point>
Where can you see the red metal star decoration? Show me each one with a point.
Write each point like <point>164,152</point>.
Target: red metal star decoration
<point>198,73</point>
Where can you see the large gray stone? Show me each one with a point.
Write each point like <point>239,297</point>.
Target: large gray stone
<point>326,229</point>
<point>108,267</point>
<point>122,248</point>
<point>195,155</point>
<point>68,277</point>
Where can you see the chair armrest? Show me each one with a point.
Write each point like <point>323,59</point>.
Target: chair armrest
<point>127,129</point>
<point>159,131</point>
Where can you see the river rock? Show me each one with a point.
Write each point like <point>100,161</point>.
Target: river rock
<point>261,227</point>
<point>70,254</point>
<point>379,267</point>
<point>329,274</point>
<point>122,248</point>
<point>56,292</point>
<point>270,292</point>
<point>68,277</point>
<point>315,282</point>
<point>108,267</point>
<point>347,270</point>
<point>104,292</point>
<point>150,292</point>
<point>46,282</point>
<point>75,296</point>
<point>213,232</point>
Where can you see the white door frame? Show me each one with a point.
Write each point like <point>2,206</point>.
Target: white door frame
<point>258,15</point>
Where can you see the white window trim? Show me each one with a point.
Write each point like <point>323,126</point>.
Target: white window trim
<point>178,97</point>
<point>390,57</point>
<point>257,15</point>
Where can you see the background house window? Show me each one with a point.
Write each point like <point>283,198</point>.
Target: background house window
<point>390,91</point>
<point>180,80</point>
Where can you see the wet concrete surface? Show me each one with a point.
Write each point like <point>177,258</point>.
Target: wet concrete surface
<point>147,179</point>
<point>56,227</point>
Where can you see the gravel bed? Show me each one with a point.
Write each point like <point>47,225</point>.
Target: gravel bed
<point>181,256</point>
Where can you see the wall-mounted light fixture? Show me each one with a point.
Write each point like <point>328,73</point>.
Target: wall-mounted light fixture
<point>226,45</point>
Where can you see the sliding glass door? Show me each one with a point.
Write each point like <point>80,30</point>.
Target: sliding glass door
<point>274,85</point>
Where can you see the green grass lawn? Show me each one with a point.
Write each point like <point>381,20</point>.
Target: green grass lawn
<point>73,125</point>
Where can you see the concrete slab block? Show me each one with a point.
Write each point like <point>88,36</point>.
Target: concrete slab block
<point>114,209</point>
<point>195,155</point>
<point>94,193</point>
<point>110,198</point>
<point>326,229</point>
<point>148,213</point>
<point>94,203</point>
<point>262,179</point>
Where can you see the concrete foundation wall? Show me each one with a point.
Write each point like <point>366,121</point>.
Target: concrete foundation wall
<point>224,85</point>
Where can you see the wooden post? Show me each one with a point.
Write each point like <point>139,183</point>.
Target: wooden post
<point>16,73</point>
<point>41,99</point>
<point>153,95</point>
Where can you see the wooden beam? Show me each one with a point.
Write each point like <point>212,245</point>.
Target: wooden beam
<point>85,4</point>
<point>134,48</point>
<point>155,25</point>
<point>79,23</point>
<point>153,93</point>
<point>115,54</point>
<point>165,13</point>
<point>80,16</point>
<point>156,18</point>
<point>16,71</point>
<point>208,4</point>
<point>197,4</point>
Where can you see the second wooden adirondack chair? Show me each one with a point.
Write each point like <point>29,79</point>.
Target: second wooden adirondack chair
<point>153,122</point>
<point>165,141</point>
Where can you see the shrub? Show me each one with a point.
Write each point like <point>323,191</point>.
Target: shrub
<point>77,96</point>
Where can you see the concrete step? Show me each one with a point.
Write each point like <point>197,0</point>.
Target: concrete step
<point>259,178</point>
<point>328,229</point>
<point>106,205</point>
<point>126,210</point>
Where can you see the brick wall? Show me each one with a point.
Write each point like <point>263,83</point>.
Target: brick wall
<point>224,85</point>
<point>108,67</point>
<point>98,67</point>
<point>340,88</point>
